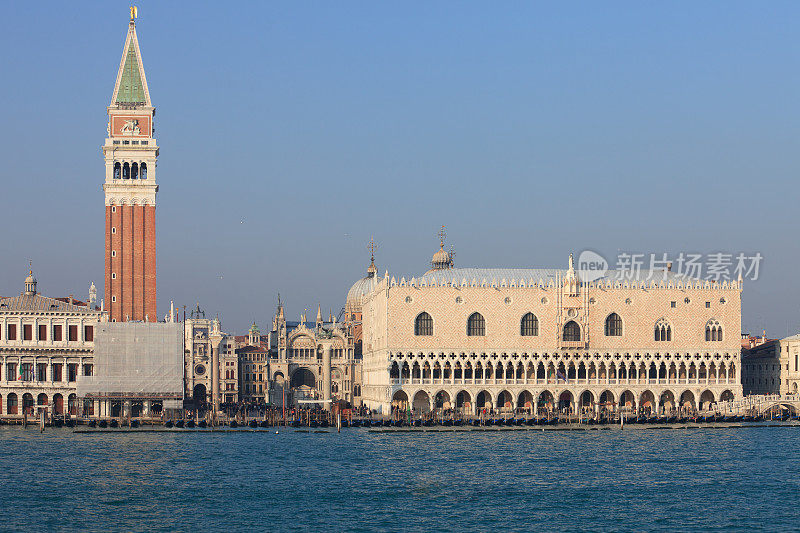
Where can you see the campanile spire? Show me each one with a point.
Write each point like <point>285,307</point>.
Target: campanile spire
<point>130,187</point>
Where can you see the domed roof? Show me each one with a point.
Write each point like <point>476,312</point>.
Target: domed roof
<point>359,289</point>
<point>30,284</point>
<point>440,259</point>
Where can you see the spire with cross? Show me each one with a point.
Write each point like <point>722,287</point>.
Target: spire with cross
<point>372,269</point>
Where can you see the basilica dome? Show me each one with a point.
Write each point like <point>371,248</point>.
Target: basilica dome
<point>360,288</point>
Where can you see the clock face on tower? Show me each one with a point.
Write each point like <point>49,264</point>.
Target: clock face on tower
<point>130,126</point>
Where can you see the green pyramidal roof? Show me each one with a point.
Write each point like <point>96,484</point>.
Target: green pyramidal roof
<point>131,88</point>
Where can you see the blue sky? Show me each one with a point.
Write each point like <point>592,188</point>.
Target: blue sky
<point>291,133</point>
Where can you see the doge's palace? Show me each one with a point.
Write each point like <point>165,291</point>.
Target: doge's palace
<point>543,339</point>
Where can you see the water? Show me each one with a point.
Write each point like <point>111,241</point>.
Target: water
<point>700,479</point>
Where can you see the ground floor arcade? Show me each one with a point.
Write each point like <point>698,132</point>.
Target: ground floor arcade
<point>564,399</point>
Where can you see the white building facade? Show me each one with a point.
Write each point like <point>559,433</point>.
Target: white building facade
<point>45,344</point>
<point>542,339</point>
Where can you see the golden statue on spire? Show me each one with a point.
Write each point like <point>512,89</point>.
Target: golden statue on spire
<point>134,13</point>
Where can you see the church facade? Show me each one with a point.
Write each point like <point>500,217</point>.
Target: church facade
<point>314,361</point>
<point>544,339</point>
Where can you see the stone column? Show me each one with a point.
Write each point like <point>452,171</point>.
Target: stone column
<point>215,343</point>
<point>326,374</point>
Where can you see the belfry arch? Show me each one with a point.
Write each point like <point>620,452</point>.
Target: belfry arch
<point>303,377</point>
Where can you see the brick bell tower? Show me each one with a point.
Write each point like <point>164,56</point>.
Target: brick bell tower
<point>130,187</point>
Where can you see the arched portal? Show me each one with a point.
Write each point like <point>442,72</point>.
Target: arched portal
<point>72,404</point>
<point>726,396</point>
<point>566,401</point>
<point>400,400</point>
<point>27,403</point>
<point>41,400</point>
<point>607,400</point>
<point>442,400</point>
<point>199,395</point>
<point>483,400</point>
<point>12,407</point>
<point>505,401</point>
<point>525,401</point>
<point>587,400</point>
<point>706,399</point>
<point>687,401</point>
<point>647,402</point>
<point>627,400</point>
<point>545,401</point>
<point>58,404</point>
<point>422,402</point>
<point>303,376</point>
<point>464,401</point>
<point>667,401</point>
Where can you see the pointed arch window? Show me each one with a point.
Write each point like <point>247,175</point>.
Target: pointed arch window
<point>529,325</point>
<point>572,331</point>
<point>423,325</point>
<point>663,331</point>
<point>613,325</point>
<point>713,331</point>
<point>476,325</point>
